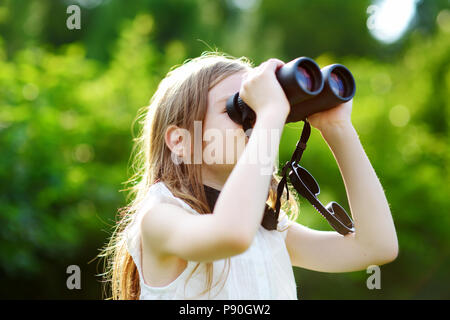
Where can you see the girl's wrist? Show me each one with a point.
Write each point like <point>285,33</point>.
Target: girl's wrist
<point>337,131</point>
<point>274,113</point>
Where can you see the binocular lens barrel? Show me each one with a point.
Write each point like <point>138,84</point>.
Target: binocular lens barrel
<point>304,78</point>
<point>308,90</point>
<point>341,81</point>
<point>336,84</point>
<point>300,79</point>
<point>338,87</point>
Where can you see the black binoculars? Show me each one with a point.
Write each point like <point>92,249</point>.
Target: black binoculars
<point>308,89</point>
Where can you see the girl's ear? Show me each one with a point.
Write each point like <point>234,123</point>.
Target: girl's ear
<point>175,140</point>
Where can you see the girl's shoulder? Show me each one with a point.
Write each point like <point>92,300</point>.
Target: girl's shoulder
<point>159,193</point>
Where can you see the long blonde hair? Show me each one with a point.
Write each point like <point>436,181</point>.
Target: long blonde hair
<point>180,99</point>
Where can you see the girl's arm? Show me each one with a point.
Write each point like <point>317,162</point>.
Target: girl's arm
<point>170,231</point>
<point>375,239</point>
<point>241,203</point>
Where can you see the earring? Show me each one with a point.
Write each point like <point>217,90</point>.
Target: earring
<point>176,159</point>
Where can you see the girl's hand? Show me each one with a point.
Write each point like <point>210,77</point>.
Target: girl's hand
<point>261,90</point>
<point>337,116</point>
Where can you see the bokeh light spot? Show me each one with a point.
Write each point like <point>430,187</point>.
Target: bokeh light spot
<point>443,20</point>
<point>30,91</point>
<point>399,116</point>
<point>389,19</point>
<point>83,153</point>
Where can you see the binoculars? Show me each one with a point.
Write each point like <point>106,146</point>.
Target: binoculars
<point>308,89</point>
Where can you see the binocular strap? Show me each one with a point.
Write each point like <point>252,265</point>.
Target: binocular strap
<point>335,215</point>
<point>296,156</point>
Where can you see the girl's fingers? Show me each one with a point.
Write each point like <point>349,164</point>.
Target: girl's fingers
<point>272,64</point>
<point>269,66</point>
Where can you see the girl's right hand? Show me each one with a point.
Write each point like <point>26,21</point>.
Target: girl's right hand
<point>261,90</point>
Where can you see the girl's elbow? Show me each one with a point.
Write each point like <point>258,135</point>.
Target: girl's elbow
<point>392,249</point>
<point>240,243</point>
<point>386,254</point>
<point>391,255</point>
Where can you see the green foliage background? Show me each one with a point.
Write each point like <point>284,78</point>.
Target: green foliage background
<point>68,99</point>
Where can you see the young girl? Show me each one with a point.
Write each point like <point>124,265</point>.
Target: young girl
<point>174,243</point>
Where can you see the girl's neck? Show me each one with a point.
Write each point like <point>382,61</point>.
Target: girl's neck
<point>212,185</point>
<point>215,179</point>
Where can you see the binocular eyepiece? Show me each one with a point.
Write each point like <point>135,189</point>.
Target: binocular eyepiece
<point>308,89</point>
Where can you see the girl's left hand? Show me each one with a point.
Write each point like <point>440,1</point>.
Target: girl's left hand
<point>339,115</point>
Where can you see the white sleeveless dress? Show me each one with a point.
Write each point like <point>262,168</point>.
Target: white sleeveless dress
<point>263,271</point>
